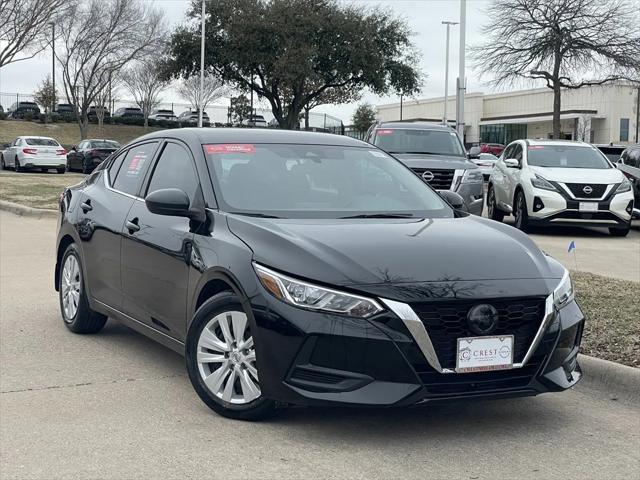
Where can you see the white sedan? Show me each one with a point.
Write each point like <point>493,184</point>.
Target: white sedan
<point>485,161</point>
<point>27,152</point>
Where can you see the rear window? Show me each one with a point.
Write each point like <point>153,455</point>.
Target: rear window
<point>566,156</point>
<point>435,142</point>
<point>42,142</point>
<point>105,144</point>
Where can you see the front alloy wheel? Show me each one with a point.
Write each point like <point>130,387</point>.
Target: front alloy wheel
<point>521,213</point>
<point>221,360</point>
<point>70,288</point>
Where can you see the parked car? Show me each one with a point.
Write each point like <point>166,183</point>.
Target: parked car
<point>92,114</point>
<point>485,162</point>
<point>166,115</point>
<point>494,148</point>
<point>474,152</point>
<point>20,109</point>
<point>629,164</point>
<point>436,154</point>
<point>29,152</point>
<point>88,154</point>
<point>65,111</point>
<point>1,109</point>
<point>552,182</point>
<point>191,118</point>
<point>611,151</point>
<point>218,244</point>
<point>255,121</point>
<point>128,112</point>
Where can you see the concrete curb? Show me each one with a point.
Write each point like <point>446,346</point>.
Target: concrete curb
<point>25,211</point>
<point>612,378</point>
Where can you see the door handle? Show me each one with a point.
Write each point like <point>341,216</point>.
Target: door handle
<point>132,226</point>
<point>86,206</point>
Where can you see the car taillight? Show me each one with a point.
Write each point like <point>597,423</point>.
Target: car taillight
<point>61,151</point>
<point>30,151</point>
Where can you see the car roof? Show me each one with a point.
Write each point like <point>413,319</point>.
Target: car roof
<point>36,136</point>
<point>566,143</point>
<point>99,140</point>
<point>244,135</point>
<point>415,126</point>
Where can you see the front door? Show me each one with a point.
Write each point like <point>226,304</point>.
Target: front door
<point>157,249</point>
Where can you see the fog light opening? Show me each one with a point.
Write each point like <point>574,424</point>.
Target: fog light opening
<point>629,208</point>
<point>538,204</point>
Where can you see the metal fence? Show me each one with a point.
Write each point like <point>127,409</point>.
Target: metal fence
<point>218,114</point>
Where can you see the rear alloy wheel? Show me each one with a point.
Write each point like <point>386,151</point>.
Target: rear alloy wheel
<point>17,167</point>
<point>221,360</point>
<point>521,213</point>
<point>492,208</point>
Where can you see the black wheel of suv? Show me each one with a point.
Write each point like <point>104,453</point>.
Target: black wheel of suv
<point>74,306</point>
<point>61,170</point>
<point>4,166</point>
<point>521,213</point>
<point>619,232</point>
<point>221,360</point>
<point>492,207</point>
<point>17,167</point>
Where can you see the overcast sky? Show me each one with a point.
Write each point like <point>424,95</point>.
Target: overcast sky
<point>423,16</point>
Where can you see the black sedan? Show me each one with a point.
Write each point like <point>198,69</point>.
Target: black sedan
<point>313,269</point>
<point>88,154</point>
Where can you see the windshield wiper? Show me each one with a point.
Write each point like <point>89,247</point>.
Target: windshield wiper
<point>256,214</point>
<point>381,215</point>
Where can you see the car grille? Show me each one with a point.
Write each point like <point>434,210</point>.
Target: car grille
<point>446,322</point>
<point>442,179</point>
<point>577,189</point>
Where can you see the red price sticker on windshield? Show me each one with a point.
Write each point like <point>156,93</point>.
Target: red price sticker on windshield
<point>536,147</point>
<point>384,132</point>
<point>231,148</point>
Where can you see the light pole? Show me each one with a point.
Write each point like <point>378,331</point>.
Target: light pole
<point>201,94</point>
<point>446,73</point>
<point>53,64</point>
<point>461,79</point>
<point>401,95</point>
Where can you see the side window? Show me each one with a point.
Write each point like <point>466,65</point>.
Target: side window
<point>508,152</point>
<point>517,152</point>
<point>135,164</point>
<point>115,166</point>
<point>174,169</point>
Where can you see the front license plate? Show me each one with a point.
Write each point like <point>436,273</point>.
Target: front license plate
<point>588,206</point>
<point>479,354</point>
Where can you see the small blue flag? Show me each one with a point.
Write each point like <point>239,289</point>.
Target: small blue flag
<point>572,246</point>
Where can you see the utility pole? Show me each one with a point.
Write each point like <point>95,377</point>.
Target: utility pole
<point>53,65</point>
<point>401,95</point>
<point>200,95</point>
<point>446,73</point>
<point>461,74</point>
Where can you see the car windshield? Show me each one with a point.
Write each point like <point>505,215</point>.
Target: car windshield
<point>42,142</point>
<point>566,156</point>
<point>437,142</point>
<point>314,181</point>
<point>104,144</point>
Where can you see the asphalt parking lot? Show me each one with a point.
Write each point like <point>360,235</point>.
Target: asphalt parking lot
<point>116,405</point>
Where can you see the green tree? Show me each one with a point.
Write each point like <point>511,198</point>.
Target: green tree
<point>292,51</point>
<point>240,109</point>
<point>46,96</point>
<point>363,117</point>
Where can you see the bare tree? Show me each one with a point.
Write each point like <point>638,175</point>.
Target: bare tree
<point>145,83</point>
<point>25,27</point>
<point>99,39</point>
<point>567,43</point>
<point>214,88</point>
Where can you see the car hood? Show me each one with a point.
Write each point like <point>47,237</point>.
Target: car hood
<point>393,251</point>
<point>415,160</point>
<point>579,175</point>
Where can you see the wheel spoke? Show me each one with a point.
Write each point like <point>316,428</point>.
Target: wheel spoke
<point>209,340</point>
<point>250,390</point>
<point>224,326</point>
<point>206,357</point>
<point>252,370</point>
<point>239,322</point>
<point>228,388</point>
<point>214,380</point>
<point>250,357</point>
<point>247,344</point>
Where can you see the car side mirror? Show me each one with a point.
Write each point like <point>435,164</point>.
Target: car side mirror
<point>453,199</point>
<point>169,201</point>
<point>512,163</point>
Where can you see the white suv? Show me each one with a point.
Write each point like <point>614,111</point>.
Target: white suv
<point>558,182</point>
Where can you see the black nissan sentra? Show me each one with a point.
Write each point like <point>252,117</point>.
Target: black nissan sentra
<point>310,269</point>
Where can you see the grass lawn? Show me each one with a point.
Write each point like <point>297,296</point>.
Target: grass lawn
<point>68,134</point>
<point>38,190</point>
<point>612,308</point>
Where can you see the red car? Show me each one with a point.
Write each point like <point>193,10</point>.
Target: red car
<point>494,148</point>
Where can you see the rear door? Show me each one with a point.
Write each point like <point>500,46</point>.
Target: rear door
<point>103,208</point>
<point>157,248</point>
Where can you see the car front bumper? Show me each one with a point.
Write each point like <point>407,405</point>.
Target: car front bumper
<point>311,358</point>
<point>554,208</point>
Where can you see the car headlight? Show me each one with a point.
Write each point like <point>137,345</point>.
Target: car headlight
<point>563,294</point>
<point>625,186</point>
<point>472,176</point>
<point>305,295</point>
<point>543,183</point>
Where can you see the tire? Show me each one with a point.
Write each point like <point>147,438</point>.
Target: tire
<point>4,166</point>
<point>74,306</point>
<point>619,232</point>
<point>241,400</point>
<point>492,207</point>
<point>61,170</point>
<point>86,169</point>
<point>16,166</point>
<point>520,212</point>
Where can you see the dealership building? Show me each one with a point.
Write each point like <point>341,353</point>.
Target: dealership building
<point>597,114</point>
